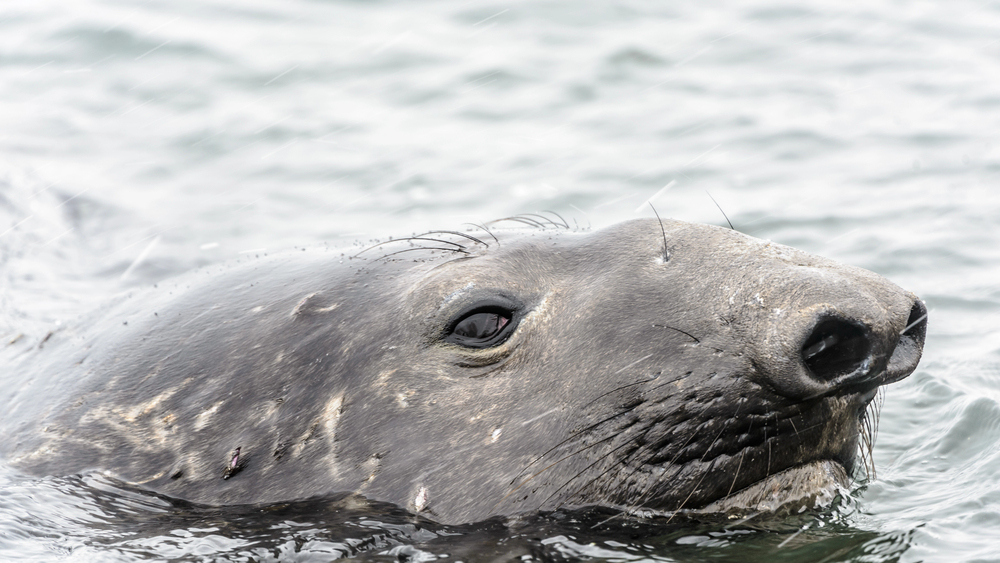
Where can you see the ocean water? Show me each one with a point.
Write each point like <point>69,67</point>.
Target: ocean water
<point>140,140</point>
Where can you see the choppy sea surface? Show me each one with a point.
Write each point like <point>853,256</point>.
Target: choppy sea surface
<point>140,140</point>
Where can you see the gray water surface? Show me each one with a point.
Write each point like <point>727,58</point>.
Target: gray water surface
<point>141,140</point>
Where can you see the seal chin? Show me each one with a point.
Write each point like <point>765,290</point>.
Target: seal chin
<point>803,487</point>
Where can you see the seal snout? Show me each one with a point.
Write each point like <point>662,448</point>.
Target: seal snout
<point>845,354</point>
<point>841,348</point>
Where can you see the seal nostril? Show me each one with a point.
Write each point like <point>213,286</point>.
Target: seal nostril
<point>834,348</point>
<point>916,324</point>
<point>906,354</point>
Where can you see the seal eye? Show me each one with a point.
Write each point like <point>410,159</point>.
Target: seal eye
<point>481,328</point>
<point>480,325</point>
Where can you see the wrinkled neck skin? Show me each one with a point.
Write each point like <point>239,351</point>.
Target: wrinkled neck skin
<point>644,369</point>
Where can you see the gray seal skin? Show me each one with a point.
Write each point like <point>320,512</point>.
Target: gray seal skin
<point>646,366</point>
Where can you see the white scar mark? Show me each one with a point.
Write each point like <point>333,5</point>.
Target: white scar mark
<point>145,426</point>
<point>330,417</point>
<point>145,408</point>
<point>539,313</point>
<point>457,293</point>
<point>302,306</point>
<point>205,416</point>
<point>325,424</point>
<point>420,501</point>
<point>373,464</point>
<point>383,377</point>
<point>496,435</point>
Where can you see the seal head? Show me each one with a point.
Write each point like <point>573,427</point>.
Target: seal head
<point>660,366</point>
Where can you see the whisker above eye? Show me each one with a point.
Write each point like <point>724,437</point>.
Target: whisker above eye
<point>457,233</point>
<point>565,224</point>
<point>519,219</point>
<point>410,239</point>
<point>384,256</point>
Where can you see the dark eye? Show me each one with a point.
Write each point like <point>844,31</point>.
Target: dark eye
<point>481,328</point>
<point>480,325</point>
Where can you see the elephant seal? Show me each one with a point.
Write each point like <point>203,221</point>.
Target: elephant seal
<point>649,365</point>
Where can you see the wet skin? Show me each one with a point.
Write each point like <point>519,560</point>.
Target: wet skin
<point>465,376</point>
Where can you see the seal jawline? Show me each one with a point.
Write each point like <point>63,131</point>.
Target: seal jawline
<point>801,487</point>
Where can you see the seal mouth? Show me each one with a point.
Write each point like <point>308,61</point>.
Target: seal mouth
<point>802,487</point>
<point>775,456</point>
<point>809,485</point>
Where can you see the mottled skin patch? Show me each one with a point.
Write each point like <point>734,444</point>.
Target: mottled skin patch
<point>627,380</point>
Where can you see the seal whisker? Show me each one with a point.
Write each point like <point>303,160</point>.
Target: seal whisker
<point>740,465</point>
<point>872,432</point>
<point>720,210</point>
<point>648,489</point>
<point>554,224</point>
<point>865,446</point>
<point>565,224</point>
<point>632,364</point>
<point>725,427</point>
<point>483,228</point>
<point>624,461</point>
<point>711,467</point>
<point>672,381</point>
<point>564,458</point>
<point>590,446</point>
<point>456,233</point>
<point>431,239</point>
<point>873,414</point>
<point>626,386</point>
<point>567,439</point>
<point>869,427</point>
<point>666,253</point>
<point>737,475</point>
<point>801,414</point>
<point>550,466</point>
<point>810,427</point>
<point>582,471</point>
<point>544,414</point>
<point>880,398</point>
<point>383,243</point>
<point>685,333</point>
<point>767,470</point>
<point>543,217</point>
<point>384,256</point>
<point>518,219</point>
<point>638,466</point>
